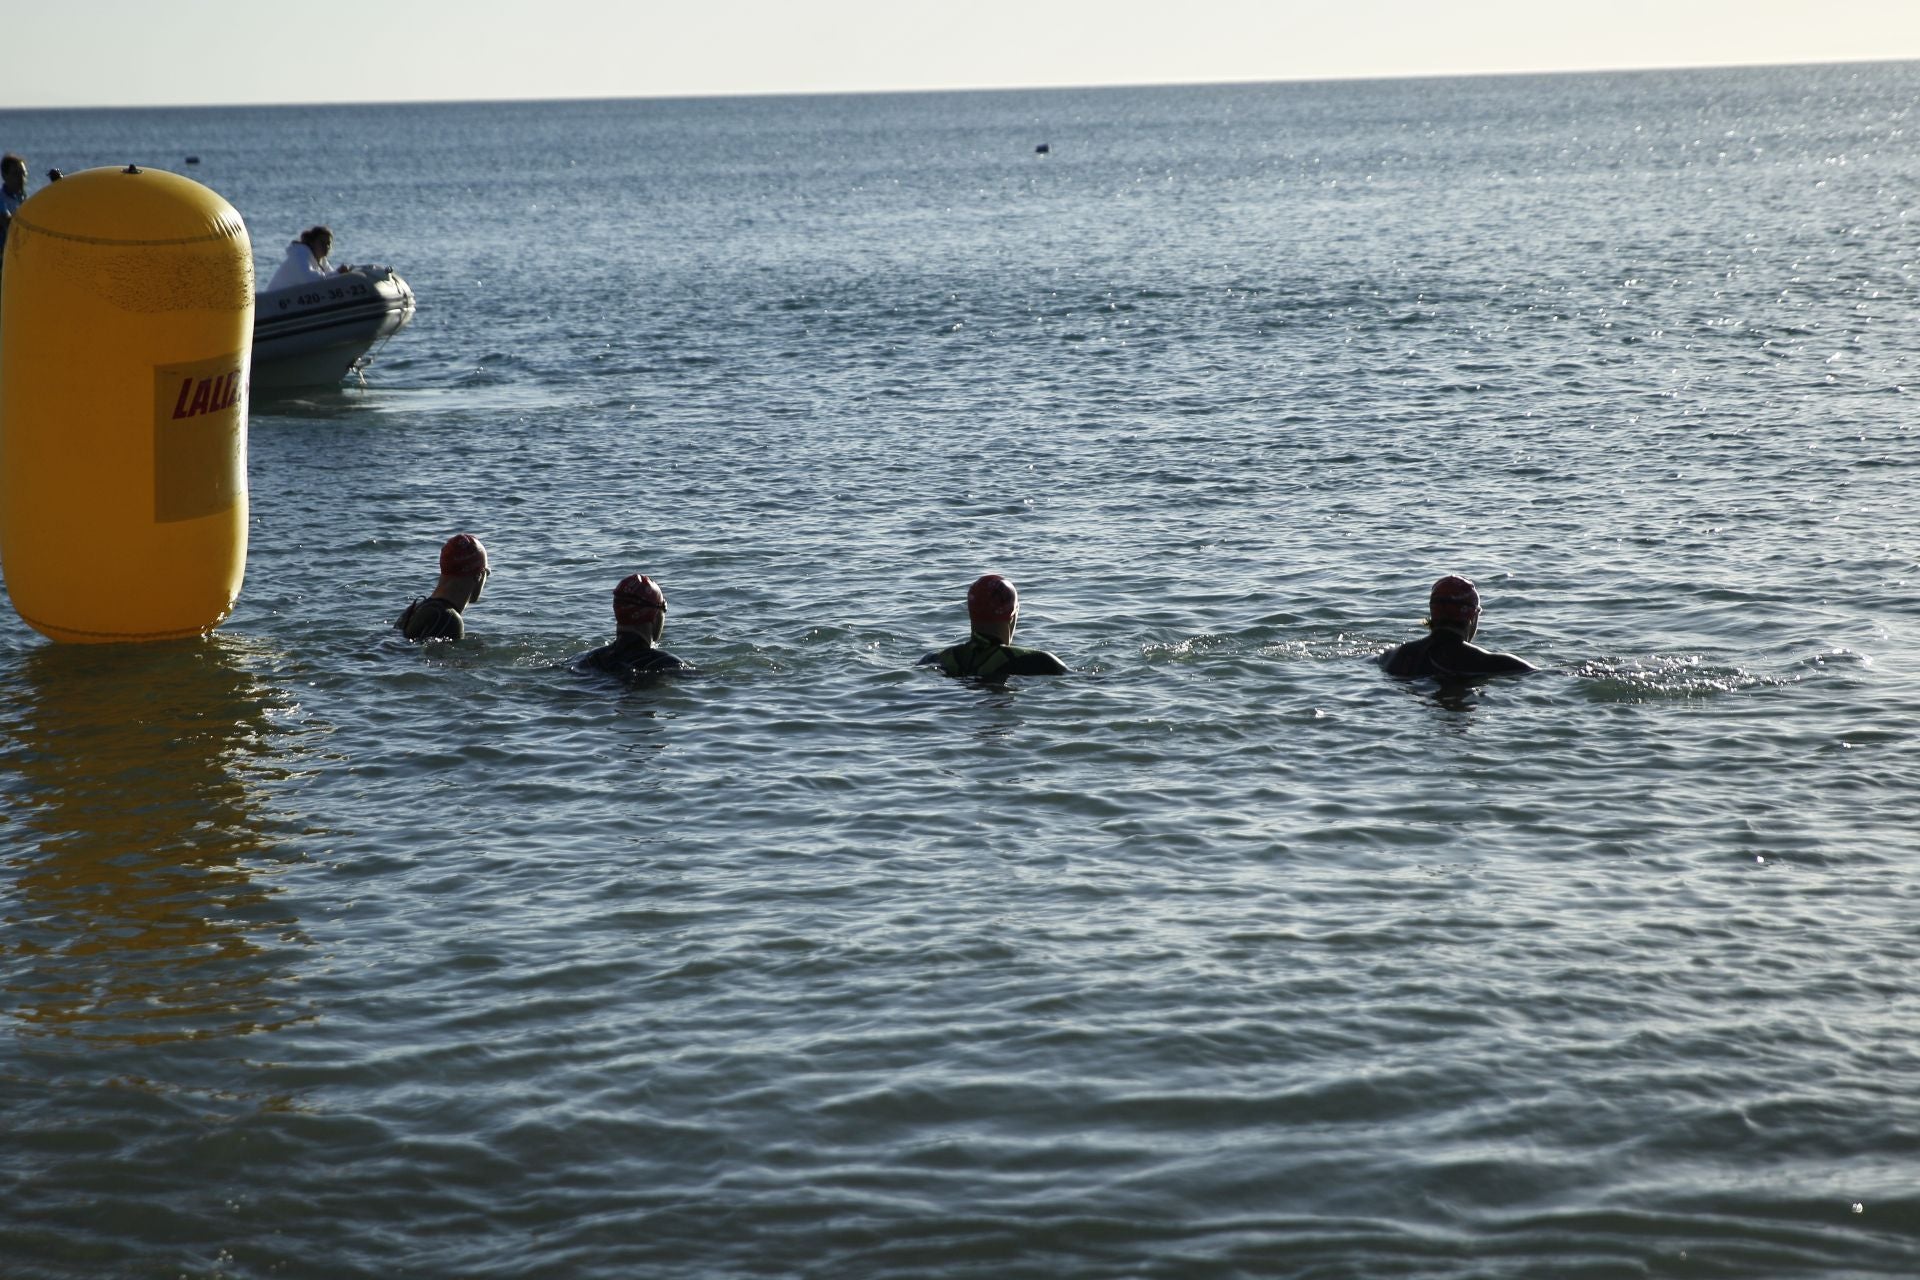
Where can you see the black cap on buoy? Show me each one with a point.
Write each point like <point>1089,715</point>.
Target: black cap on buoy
<point>1042,149</point>
<point>132,168</point>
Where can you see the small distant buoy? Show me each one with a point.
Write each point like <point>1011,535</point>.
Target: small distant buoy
<point>1042,149</point>
<point>193,159</point>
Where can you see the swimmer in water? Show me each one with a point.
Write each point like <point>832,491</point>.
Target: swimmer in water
<point>463,572</point>
<point>639,617</point>
<point>993,609</point>
<point>1453,615</point>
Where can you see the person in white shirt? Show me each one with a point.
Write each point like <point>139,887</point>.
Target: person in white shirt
<point>306,260</point>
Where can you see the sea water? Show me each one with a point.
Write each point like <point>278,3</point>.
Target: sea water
<point>322,955</point>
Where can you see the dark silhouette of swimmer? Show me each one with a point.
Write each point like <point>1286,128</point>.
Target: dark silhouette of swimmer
<point>639,616</point>
<point>1453,615</point>
<point>993,609</point>
<point>463,572</point>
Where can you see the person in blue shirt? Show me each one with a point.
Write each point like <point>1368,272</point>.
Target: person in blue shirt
<point>13,190</point>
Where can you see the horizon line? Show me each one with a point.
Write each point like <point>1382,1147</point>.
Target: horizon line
<point>1064,87</point>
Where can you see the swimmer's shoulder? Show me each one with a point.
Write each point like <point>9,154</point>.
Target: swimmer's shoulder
<point>1408,660</point>
<point>661,660</point>
<point>1033,662</point>
<point>1491,663</point>
<point>431,619</point>
<point>618,660</point>
<point>990,660</point>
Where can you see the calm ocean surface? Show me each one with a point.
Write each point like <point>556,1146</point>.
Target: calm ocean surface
<point>324,956</point>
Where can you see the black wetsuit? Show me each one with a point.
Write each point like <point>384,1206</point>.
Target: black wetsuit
<point>431,619</point>
<point>627,657</point>
<point>1448,653</point>
<point>985,658</point>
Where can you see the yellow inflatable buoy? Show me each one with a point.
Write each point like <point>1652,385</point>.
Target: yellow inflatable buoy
<point>126,332</point>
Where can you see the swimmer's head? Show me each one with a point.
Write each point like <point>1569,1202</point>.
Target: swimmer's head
<point>992,605</point>
<point>462,556</point>
<point>1454,604</point>
<point>463,570</point>
<point>640,605</point>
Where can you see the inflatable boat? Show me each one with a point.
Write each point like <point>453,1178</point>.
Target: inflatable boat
<point>315,333</point>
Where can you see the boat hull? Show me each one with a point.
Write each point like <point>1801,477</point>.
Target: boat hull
<point>315,333</point>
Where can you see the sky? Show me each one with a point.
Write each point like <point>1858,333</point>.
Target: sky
<point>192,52</point>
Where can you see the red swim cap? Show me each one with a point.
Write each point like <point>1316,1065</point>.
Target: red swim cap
<point>637,601</point>
<point>992,599</point>
<point>462,556</point>
<point>1454,600</point>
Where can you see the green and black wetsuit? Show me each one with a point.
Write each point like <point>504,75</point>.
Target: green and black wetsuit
<point>1445,653</point>
<point>431,619</point>
<point>628,657</point>
<point>985,658</point>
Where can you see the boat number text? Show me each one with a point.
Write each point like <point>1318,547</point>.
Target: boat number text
<point>333,293</point>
